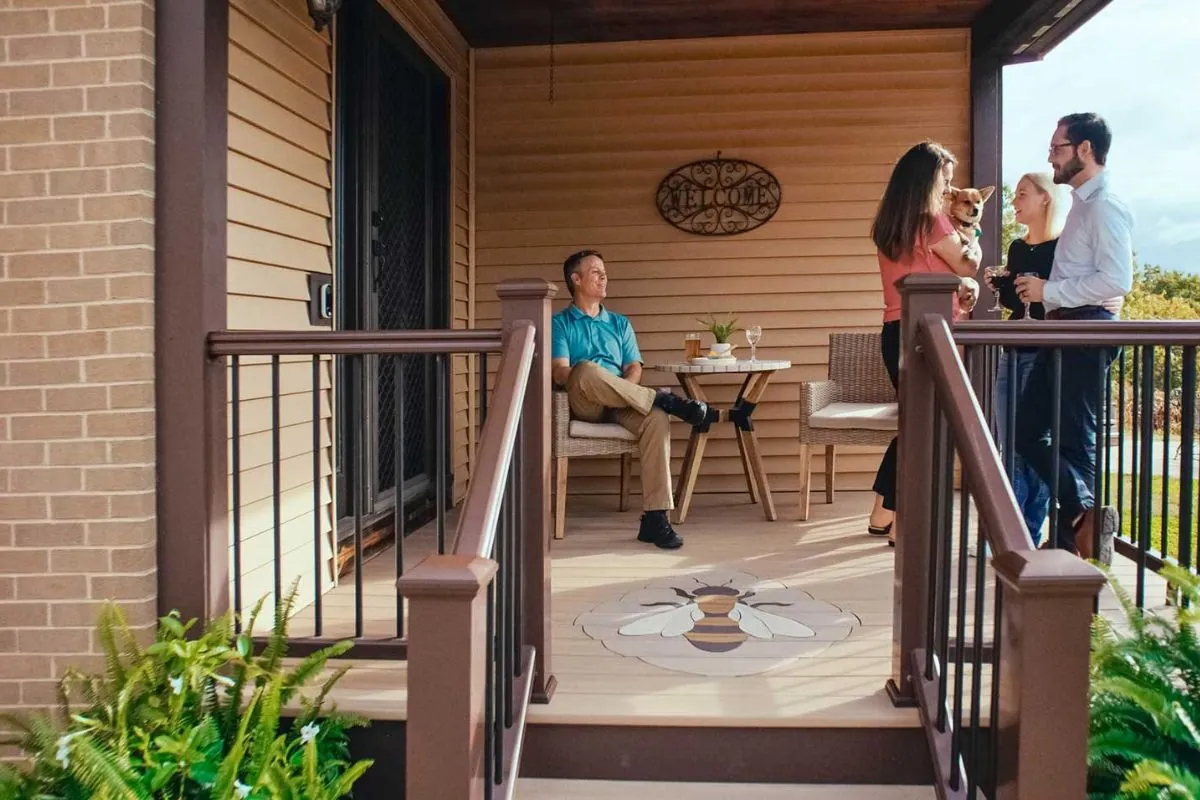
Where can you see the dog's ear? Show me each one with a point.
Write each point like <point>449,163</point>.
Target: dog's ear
<point>987,192</point>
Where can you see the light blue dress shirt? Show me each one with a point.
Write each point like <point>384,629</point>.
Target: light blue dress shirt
<point>607,339</point>
<point>1093,263</point>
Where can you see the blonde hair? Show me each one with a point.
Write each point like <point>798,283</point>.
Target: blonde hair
<point>1056,207</point>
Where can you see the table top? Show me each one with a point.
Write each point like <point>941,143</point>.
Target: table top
<point>723,367</point>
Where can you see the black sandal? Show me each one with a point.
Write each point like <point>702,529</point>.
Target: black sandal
<point>875,530</point>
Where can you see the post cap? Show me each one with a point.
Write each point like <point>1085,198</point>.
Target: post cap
<point>928,283</point>
<point>447,576</point>
<point>526,289</point>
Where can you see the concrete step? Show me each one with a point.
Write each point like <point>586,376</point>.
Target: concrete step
<point>545,789</point>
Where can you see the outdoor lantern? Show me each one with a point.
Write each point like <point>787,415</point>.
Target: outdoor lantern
<point>322,11</point>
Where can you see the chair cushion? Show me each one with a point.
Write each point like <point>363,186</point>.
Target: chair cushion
<point>864,416</point>
<point>599,430</point>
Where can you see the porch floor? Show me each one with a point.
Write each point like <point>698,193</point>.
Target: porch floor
<point>824,575</point>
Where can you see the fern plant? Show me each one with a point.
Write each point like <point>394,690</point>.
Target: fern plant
<point>1144,741</point>
<point>189,717</point>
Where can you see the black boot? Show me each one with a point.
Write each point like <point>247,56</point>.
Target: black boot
<point>656,530</point>
<point>693,412</point>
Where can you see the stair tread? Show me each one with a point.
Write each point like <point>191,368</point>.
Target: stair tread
<point>546,789</point>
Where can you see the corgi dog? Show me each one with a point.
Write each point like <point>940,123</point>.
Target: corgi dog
<point>965,207</point>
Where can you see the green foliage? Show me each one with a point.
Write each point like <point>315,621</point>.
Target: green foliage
<point>721,331</point>
<point>1010,229</point>
<point>189,717</point>
<point>1143,741</point>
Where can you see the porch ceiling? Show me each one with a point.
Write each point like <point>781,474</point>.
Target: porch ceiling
<point>1009,30</point>
<point>506,23</point>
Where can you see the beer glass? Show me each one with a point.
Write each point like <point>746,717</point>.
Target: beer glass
<point>691,346</point>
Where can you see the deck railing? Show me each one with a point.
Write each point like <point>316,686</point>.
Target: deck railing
<point>479,640</point>
<point>284,526</point>
<point>996,663</point>
<point>472,616</point>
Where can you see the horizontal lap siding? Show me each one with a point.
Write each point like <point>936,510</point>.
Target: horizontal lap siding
<point>280,213</point>
<point>428,25</point>
<point>827,114</point>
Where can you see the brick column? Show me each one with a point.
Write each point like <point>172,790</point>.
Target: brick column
<point>77,460</point>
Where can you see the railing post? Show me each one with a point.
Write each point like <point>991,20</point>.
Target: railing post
<point>447,659</point>
<point>921,294</point>
<point>1044,642</point>
<point>529,299</point>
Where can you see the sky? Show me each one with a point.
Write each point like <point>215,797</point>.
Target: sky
<point>1137,64</point>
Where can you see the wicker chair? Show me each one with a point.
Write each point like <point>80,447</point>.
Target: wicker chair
<point>577,439</point>
<point>856,406</point>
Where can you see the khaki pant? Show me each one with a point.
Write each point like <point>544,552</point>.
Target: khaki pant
<point>596,395</point>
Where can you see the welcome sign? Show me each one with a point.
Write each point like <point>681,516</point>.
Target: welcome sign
<point>719,197</point>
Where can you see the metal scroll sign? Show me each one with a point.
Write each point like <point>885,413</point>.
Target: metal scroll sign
<point>718,197</point>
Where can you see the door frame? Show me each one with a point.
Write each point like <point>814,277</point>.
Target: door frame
<point>358,31</point>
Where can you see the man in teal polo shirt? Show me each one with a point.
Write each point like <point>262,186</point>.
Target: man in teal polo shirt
<point>596,357</point>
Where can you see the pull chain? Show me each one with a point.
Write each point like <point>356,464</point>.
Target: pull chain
<point>553,8</point>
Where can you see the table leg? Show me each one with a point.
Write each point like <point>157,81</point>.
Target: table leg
<point>739,434</point>
<point>743,419</point>
<point>694,455</point>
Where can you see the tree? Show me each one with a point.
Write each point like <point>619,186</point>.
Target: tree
<point>1010,229</point>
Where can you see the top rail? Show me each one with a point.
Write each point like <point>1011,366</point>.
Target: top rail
<point>481,509</point>
<point>346,343</point>
<point>1069,333</point>
<point>993,493</point>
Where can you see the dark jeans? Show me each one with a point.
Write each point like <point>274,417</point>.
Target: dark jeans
<point>1079,405</point>
<point>885,478</point>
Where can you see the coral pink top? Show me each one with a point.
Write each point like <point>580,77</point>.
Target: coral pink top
<point>923,259</point>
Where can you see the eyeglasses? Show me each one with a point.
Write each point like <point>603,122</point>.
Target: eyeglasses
<point>1056,146</point>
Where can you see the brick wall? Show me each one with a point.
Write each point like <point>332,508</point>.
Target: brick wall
<point>76,331</point>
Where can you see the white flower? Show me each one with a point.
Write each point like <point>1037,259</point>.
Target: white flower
<point>309,732</point>
<point>224,680</point>
<point>242,789</point>
<point>63,754</point>
<point>176,685</point>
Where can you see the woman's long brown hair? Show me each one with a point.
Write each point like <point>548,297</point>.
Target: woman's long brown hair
<point>908,206</point>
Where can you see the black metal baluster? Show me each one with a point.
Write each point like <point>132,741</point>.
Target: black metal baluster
<point>356,488</point>
<point>1055,443</point>
<point>1121,439</point>
<point>489,695</point>
<point>976,728</point>
<point>1108,423</point>
<point>1166,456</point>
<point>1010,411</point>
<point>518,558</point>
<point>398,379</point>
<point>1188,455</point>
<point>939,436</point>
<point>496,666</point>
<point>510,530</point>
<point>236,421</point>
<point>946,539</point>
<point>483,388</point>
<point>956,735</point>
<point>440,378</point>
<point>1135,451</point>
<point>1101,454</point>
<point>994,713</point>
<point>317,482</point>
<point>1145,471</point>
<point>276,481</point>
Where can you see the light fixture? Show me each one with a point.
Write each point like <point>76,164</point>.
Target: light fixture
<point>322,11</point>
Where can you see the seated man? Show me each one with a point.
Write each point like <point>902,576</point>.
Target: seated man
<point>596,358</point>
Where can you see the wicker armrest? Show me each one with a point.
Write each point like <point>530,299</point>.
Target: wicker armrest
<point>561,421</point>
<point>815,395</point>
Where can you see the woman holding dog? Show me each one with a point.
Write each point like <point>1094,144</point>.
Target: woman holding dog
<point>1038,206</point>
<point>913,233</point>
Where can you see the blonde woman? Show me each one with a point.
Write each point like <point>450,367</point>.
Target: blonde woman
<point>1040,207</point>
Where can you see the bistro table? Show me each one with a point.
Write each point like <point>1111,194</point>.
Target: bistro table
<point>758,375</point>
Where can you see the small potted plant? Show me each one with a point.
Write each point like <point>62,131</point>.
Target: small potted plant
<point>721,332</point>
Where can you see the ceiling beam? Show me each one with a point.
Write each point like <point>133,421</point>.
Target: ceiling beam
<point>1015,31</point>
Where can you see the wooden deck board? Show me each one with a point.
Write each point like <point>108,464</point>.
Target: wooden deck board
<point>837,682</point>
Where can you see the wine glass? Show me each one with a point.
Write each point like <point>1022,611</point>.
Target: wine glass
<point>753,337</point>
<point>991,274</point>
<point>1028,275</point>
